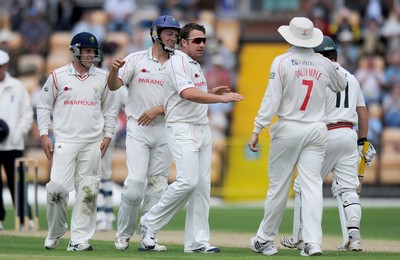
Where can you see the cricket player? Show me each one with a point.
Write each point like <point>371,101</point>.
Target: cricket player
<point>343,111</point>
<point>16,117</point>
<point>185,103</point>
<point>84,116</point>
<point>296,94</point>
<point>148,155</point>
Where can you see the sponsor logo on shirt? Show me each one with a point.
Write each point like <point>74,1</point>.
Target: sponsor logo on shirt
<point>200,84</point>
<point>80,103</point>
<point>272,75</point>
<point>302,62</point>
<point>151,81</point>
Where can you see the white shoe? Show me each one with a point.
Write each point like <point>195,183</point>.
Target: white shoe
<point>157,248</point>
<point>288,242</point>
<point>267,248</point>
<point>79,247</point>
<point>121,243</point>
<point>311,250</point>
<point>148,240</point>
<point>354,241</point>
<point>205,250</point>
<point>51,243</point>
<point>354,245</point>
<point>1,225</point>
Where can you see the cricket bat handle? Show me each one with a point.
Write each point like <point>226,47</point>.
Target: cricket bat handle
<point>361,168</point>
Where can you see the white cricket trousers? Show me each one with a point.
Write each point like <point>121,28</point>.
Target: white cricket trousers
<point>342,158</point>
<point>75,166</point>
<point>302,144</point>
<point>191,149</point>
<point>149,162</point>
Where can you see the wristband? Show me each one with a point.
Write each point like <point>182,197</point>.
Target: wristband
<point>361,141</point>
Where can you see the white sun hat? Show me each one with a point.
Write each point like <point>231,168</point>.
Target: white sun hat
<point>4,57</point>
<point>301,32</point>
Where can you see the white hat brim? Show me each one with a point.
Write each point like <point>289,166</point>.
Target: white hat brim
<point>314,41</point>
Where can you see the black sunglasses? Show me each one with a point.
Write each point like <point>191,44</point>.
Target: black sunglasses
<point>198,40</point>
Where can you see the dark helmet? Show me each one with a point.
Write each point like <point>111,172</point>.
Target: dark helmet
<point>84,40</point>
<point>162,22</point>
<point>326,45</point>
<point>4,130</point>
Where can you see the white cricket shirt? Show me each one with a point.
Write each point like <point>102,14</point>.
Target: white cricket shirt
<point>83,107</point>
<point>144,76</point>
<point>297,88</point>
<point>182,72</point>
<point>341,106</point>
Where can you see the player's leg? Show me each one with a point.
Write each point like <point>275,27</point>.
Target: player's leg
<point>60,184</point>
<point>296,241</point>
<point>309,168</point>
<point>86,182</point>
<point>345,188</point>
<point>160,160</point>
<point>159,168</point>
<point>137,154</point>
<point>281,164</point>
<point>184,147</point>
<point>197,229</point>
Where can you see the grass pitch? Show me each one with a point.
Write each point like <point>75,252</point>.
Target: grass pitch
<point>377,224</point>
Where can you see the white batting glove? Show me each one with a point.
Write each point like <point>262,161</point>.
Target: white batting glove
<point>296,186</point>
<point>369,154</point>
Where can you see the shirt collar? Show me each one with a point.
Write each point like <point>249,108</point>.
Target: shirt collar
<point>72,70</point>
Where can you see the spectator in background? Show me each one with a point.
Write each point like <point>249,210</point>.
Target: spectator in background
<point>119,15</point>
<point>63,16</point>
<point>320,18</point>
<point>17,113</point>
<point>346,20</point>
<point>348,51</point>
<point>35,32</point>
<point>86,24</point>
<point>371,38</point>
<point>376,10</point>
<point>392,70</point>
<point>391,107</point>
<point>5,45</point>
<point>375,125</point>
<point>390,31</point>
<point>371,79</point>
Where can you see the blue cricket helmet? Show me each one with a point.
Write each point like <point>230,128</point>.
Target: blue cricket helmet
<point>162,22</point>
<point>84,40</point>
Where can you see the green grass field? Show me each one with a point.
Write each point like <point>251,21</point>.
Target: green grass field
<point>377,224</point>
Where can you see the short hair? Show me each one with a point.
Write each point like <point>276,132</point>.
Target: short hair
<point>185,31</point>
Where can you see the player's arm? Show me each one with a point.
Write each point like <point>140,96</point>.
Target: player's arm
<point>43,110</point>
<point>113,80</point>
<point>150,114</point>
<point>199,96</point>
<point>362,113</point>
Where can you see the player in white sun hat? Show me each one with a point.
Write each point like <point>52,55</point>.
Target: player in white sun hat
<point>296,94</point>
<point>343,110</point>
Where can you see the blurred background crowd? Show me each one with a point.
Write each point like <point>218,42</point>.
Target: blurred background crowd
<point>37,33</point>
